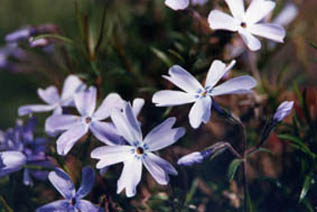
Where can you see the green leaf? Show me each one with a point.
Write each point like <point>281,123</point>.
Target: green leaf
<point>250,204</point>
<point>162,56</point>
<point>307,184</point>
<point>298,143</point>
<point>261,149</point>
<point>233,167</point>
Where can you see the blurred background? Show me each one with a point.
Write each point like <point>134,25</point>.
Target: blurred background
<point>129,51</point>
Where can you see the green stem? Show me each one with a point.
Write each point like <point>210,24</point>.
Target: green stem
<point>5,205</point>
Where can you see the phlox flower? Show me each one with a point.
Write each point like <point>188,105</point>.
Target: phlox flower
<point>283,110</point>
<point>54,101</point>
<point>89,118</point>
<point>183,4</point>
<point>201,96</point>
<point>248,22</point>
<point>138,151</point>
<point>73,200</point>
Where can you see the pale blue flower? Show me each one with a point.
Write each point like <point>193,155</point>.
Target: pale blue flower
<point>201,96</point>
<point>248,22</point>
<point>283,110</point>
<point>54,101</point>
<point>73,201</point>
<point>138,151</point>
<point>89,118</point>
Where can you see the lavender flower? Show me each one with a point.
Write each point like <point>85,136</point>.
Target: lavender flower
<point>54,101</point>
<point>76,127</point>
<point>283,110</point>
<point>73,200</point>
<point>183,4</point>
<point>138,151</point>
<point>246,23</point>
<point>202,96</point>
<point>192,158</point>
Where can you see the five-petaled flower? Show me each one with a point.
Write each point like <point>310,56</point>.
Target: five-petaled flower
<point>76,126</point>
<point>54,101</point>
<point>139,150</point>
<point>73,200</point>
<point>247,22</point>
<point>202,96</point>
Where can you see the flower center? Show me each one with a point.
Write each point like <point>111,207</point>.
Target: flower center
<point>139,150</point>
<point>88,120</point>
<point>204,93</point>
<point>243,25</point>
<point>73,201</point>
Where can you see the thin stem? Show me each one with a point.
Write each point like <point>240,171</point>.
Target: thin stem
<point>245,185</point>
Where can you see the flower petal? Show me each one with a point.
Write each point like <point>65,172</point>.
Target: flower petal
<point>113,100</point>
<point>49,95</point>
<point>67,140</point>
<point>220,20</point>
<point>165,165</point>
<point>216,71</point>
<point>183,79</point>
<point>163,135</point>
<point>158,168</point>
<point>270,31</point>
<point>87,182</point>
<point>137,106</point>
<point>167,98</point>
<point>57,206</point>
<point>105,132</point>
<point>84,205</point>
<point>109,155</point>
<point>252,42</point>
<point>237,85</point>
<point>63,183</point>
<point>11,161</point>
<point>61,122</point>
<point>177,4</point>
<point>127,124</point>
<point>72,85</point>
<point>257,10</point>
<point>85,101</point>
<point>130,177</point>
<point>200,112</point>
<point>28,109</point>
<point>237,8</point>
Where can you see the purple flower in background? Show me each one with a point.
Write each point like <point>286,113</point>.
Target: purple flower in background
<point>11,51</point>
<point>73,200</point>
<point>28,33</point>
<point>76,126</point>
<point>20,148</point>
<point>201,96</point>
<point>138,151</point>
<point>183,4</point>
<point>283,110</point>
<point>54,101</point>
<point>247,22</point>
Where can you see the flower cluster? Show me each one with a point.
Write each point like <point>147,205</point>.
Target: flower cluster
<point>76,112</point>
